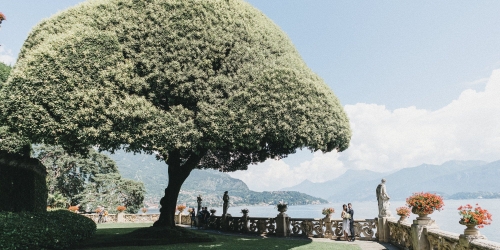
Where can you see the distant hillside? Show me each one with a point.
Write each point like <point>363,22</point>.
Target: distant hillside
<point>338,186</point>
<point>447,179</point>
<point>210,184</point>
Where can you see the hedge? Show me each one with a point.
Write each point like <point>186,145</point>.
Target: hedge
<point>57,229</point>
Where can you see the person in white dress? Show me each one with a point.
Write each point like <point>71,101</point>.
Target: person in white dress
<point>345,222</point>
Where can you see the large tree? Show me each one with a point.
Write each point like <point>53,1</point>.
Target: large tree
<point>204,84</point>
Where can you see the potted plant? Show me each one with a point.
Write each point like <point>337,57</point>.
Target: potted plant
<point>212,211</point>
<point>2,17</point>
<point>120,209</point>
<point>473,217</point>
<point>181,208</point>
<point>144,210</point>
<point>328,211</point>
<point>245,211</point>
<point>73,209</point>
<point>404,212</point>
<point>282,207</point>
<point>424,204</point>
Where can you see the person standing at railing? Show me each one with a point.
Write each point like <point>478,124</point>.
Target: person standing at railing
<point>345,222</point>
<point>351,222</point>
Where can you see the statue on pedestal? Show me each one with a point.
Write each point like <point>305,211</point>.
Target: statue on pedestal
<point>383,200</point>
<point>198,199</point>
<point>225,198</point>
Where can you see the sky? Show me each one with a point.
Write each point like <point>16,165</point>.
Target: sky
<point>419,80</point>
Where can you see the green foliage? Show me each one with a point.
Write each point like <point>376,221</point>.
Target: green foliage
<point>111,191</point>
<point>10,142</point>
<point>68,175</point>
<point>89,181</point>
<point>48,230</point>
<point>57,200</point>
<point>4,73</point>
<point>22,183</point>
<point>210,78</point>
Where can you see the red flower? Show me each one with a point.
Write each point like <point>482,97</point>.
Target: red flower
<point>476,216</point>
<point>425,203</point>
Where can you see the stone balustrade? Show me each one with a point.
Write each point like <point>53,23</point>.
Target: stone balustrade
<point>401,233</point>
<point>296,227</point>
<point>139,218</point>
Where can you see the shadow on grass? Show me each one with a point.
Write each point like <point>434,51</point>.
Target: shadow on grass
<point>148,236</point>
<point>134,236</point>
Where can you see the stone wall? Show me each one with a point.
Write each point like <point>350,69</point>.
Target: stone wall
<point>22,184</point>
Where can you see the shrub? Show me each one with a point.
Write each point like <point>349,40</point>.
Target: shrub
<point>57,229</point>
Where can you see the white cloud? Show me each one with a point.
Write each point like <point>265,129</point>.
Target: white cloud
<point>383,140</point>
<point>465,129</point>
<point>274,175</point>
<point>6,56</point>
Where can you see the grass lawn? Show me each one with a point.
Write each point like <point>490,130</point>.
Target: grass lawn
<point>116,236</point>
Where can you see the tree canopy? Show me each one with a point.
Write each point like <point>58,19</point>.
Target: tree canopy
<point>207,84</point>
<point>4,73</point>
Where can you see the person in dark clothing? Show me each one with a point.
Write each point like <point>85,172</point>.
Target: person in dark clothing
<point>199,222</point>
<point>206,215</point>
<point>193,217</point>
<point>351,222</point>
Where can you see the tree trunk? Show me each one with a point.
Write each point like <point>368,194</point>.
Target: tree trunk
<point>177,174</point>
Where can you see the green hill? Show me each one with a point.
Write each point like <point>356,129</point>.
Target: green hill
<point>210,184</point>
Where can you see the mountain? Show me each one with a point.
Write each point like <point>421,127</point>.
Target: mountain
<point>210,184</point>
<point>337,186</point>
<point>446,179</point>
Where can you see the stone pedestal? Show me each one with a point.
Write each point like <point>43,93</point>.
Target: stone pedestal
<point>281,225</point>
<point>120,217</point>
<point>418,236</point>
<point>225,222</point>
<point>470,233</point>
<point>179,216</point>
<point>402,218</point>
<point>383,231</point>
<point>327,224</point>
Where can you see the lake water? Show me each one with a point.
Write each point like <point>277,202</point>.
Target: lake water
<point>447,219</point>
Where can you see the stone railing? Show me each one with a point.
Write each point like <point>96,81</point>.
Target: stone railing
<point>297,227</point>
<point>137,218</point>
<point>400,234</point>
<point>405,235</point>
<point>95,217</point>
<point>439,239</point>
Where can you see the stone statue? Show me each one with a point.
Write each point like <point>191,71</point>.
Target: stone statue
<point>225,198</point>
<point>198,199</point>
<point>383,200</point>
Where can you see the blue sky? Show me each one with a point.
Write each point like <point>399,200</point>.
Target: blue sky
<point>414,77</point>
